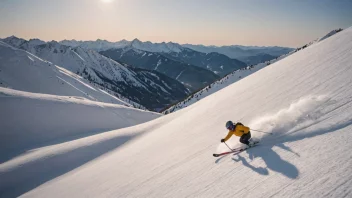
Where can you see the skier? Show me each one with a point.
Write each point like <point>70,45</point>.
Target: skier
<point>240,130</point>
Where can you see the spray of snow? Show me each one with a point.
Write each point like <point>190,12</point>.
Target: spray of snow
<point>299,114</point>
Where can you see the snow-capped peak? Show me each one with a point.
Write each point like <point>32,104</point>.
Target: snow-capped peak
<point>156,47</point>
<point>14,41</point>
<point>330,34</point>
<point>34,42</point>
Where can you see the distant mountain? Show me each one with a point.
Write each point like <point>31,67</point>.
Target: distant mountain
<point>155,47</point>
<point>150,89</point>
<point>24,44</point>
<point>215,62</point>
<point>220,60</point>
<point>97,45</point>
<point>256,59</point>
<point>240,52</point>
<point>218,63</point>
<point>233,51</point>
<point>191,76</point>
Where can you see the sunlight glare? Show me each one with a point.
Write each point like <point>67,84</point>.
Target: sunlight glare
<point>107,1</point>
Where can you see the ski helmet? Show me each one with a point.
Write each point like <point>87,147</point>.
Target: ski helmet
<point>229,125</point>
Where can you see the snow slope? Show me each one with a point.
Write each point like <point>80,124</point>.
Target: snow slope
<point>305,99</point>
<point>34,119</point>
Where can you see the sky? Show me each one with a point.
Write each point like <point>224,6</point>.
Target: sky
<point>290,23</point>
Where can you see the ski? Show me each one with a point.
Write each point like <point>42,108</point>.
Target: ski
<point>234,151</point>
<point>226,153</point>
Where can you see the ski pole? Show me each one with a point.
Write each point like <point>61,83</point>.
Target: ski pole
<point>261,131</point>
<point>228,146</point>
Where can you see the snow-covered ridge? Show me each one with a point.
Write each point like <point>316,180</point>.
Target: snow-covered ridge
<point>156,47</point>
<point>233,51</point>
<point>97,45</point>
<point>24,71</point>
<point>234,77</point>
<point>100,45</point>
<point>330,34</point>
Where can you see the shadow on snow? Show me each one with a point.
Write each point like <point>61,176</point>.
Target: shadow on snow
<point>28,176</point>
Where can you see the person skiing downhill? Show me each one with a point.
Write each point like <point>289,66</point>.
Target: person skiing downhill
<point>239,130</point>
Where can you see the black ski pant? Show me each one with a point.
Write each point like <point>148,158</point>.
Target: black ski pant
<point>245,138</point>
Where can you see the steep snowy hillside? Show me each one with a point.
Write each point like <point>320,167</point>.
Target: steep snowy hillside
<point>304,99</point>
<point>120,81</point>
<point>23,71</point>
<point>234,77</point>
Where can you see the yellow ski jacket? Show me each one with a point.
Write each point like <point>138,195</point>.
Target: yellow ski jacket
<point>238,131</point>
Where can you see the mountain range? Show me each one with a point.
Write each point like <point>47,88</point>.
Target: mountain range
<point>150,89</point>
<point>248,54</point>
<point>142,74</point>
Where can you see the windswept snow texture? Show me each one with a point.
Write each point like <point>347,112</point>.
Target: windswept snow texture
<point>305,99</point>
<point>34,120</point>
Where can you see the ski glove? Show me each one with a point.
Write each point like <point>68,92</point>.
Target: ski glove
<point>222,140</point>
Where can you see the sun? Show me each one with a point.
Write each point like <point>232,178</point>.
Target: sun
<point>107,1</point>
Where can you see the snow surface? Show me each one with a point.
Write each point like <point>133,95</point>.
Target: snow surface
<point>33,119</point>
<point>305,99</point>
